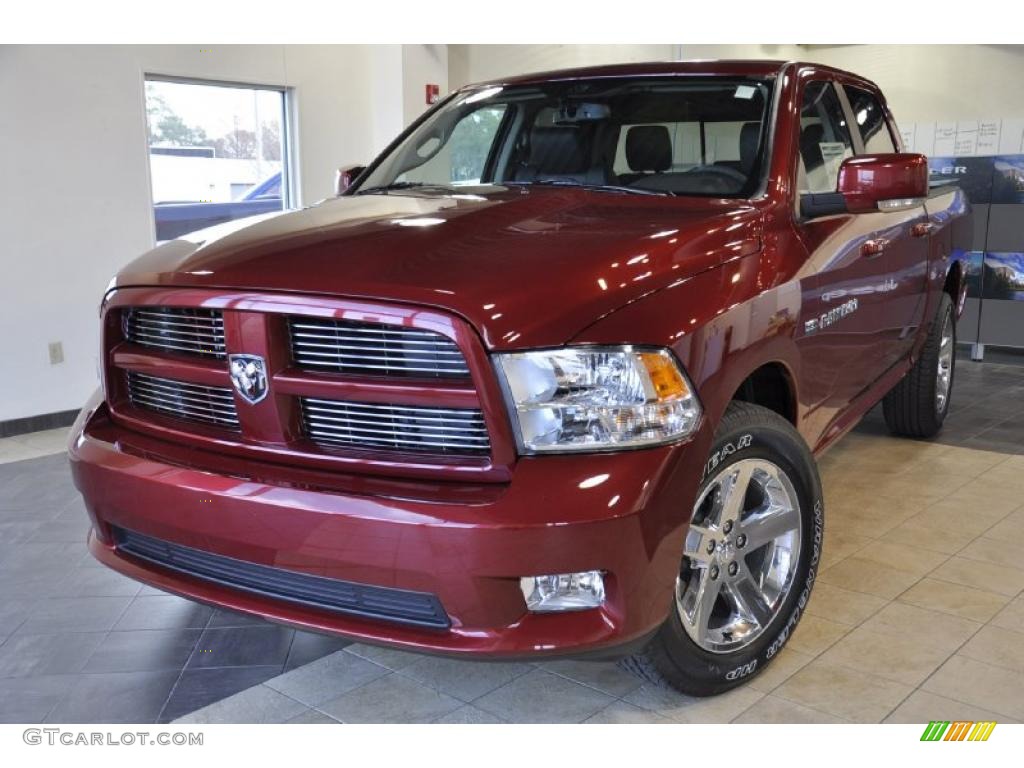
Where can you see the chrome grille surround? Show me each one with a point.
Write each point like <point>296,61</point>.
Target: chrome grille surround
<point>182,400</point>
<point>373,349</point>
<point>337,423</point>
<point>190,331</point>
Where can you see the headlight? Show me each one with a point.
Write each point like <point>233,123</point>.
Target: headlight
<point>586,399</point>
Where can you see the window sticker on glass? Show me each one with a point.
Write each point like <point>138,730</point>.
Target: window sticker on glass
<point>745,91</point>
<point>833,153</point>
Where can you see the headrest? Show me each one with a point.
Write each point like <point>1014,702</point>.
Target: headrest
<point>750,138</point>
<point>810,145</point>
<point>556,151</point>
<point>648,148</point>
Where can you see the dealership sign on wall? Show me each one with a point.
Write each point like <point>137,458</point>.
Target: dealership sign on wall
<point>986,158</point>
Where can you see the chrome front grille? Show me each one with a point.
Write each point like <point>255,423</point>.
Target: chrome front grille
<point>192,402</point>
<point>453,431</point>
<point>345,346</point>
<point>179,330</point>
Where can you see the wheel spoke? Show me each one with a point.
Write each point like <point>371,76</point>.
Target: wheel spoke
<point>749,601</point>
<point>697,604</point>
<point>696,547</point>
<point>734,491</point>
<point>764,527</point>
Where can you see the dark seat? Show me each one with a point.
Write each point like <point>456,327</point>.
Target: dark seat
<point>559,154</point>
<point>648,152</point>
<point>750,135</point>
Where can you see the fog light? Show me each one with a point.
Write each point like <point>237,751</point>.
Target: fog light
<point>563,591</point>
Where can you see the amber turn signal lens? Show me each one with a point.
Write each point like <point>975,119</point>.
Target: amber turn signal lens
<point>665,376</point>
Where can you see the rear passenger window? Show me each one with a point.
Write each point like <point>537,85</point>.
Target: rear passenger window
<point>824,139</point>
<point>874,130</point>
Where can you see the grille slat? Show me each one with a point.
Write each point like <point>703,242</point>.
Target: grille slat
<point>176,329</point>
<point>392,427</point>
<point>183,400</point>
<point>345,597</point>
<point>352,347</point>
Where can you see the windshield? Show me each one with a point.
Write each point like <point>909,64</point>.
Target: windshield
<point>683,136</point>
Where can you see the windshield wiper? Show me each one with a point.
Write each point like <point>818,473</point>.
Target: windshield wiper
<point>383,189</point>
<point>593,187</point>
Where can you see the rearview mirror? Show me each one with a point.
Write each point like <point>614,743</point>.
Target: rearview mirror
<point>873,183</point>
<point>346,177</point>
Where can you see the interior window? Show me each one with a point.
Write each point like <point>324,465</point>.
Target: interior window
<point>458,155</point>
<point>874,130</point>
<point>824,139</point>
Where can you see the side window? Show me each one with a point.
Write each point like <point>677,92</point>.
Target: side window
<point>874,129</point>
<point>460,157</point>
<point>824,139</point>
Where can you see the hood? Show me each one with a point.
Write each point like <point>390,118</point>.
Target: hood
<point>526,266</point>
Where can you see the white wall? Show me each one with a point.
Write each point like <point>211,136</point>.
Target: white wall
<point>75,197</point>
<point>922,82</point>
<point>937,82</point>
<point>422,64</point>
<point>478,63</point>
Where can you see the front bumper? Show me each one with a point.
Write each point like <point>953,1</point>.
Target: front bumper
<point>623,513</point>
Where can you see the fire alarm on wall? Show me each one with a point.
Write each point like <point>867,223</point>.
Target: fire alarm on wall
<point>433,93</point>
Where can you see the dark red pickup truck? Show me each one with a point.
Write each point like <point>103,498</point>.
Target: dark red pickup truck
<point>548,378</point>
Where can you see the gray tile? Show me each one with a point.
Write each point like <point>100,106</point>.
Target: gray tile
<point>121,697</point>
<point>242,647</point>
<point>164,612</point>
<point>466,680</point>
<point>30,699</point>
<point>143,650</point>
<point>13,613</point>
<point>63,529</point>
<point>327,678</point>
<point>255,705</point>
<point>390,699</point>
<point>391,658</point>
<point>543,697</point>
<point>57,654</point>
<point>75,614</point>
<point>198,688</point>
<point>621,712</point>
<point>469,715</point>
<point>690,709</point>
<point>92,581</point>
<point>312,717</point>
<point>606,676</point>
<point>307,647</point>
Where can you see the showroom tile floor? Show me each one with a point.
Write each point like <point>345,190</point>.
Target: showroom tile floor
<point>918,613</point>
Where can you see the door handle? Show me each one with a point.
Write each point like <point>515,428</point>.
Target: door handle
<point>873,247</point>
<point>922,229</point>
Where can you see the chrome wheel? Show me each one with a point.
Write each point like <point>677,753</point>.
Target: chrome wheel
<point>945,372</point>
<point>741,555</point>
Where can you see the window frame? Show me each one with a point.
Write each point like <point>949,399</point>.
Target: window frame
<point>290,190</point>
<point>851,117</point>
<point>844,106</point>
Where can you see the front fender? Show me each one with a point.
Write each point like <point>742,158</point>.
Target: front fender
<point>719,325</point>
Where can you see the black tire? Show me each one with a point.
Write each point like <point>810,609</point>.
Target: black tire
<point>911,409</point>
<point>672,658</point>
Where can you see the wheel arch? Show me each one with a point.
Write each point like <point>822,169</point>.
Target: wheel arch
<point>956,285</point>
<point>771,385</point>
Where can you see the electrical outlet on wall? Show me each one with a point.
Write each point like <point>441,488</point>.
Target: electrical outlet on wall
<point>56,352</point>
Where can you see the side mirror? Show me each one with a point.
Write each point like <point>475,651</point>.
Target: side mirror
<point>873,183</point>
<point>345,177</point>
